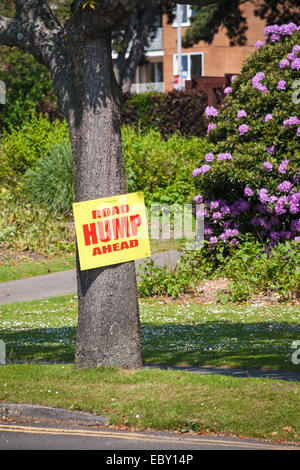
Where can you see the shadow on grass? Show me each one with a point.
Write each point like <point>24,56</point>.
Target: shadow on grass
<point>218,343</point>
<point>46,344</point>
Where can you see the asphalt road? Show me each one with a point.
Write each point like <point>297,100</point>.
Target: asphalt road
<point>49,436</point>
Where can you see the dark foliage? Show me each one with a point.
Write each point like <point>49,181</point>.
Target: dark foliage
<point>169,113</point>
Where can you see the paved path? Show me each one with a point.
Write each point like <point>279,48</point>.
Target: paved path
<point>61,283</point>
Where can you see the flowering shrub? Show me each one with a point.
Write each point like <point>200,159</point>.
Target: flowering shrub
<point>249,179</point>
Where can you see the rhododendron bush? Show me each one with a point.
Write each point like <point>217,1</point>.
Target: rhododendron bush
<point>249,178</point>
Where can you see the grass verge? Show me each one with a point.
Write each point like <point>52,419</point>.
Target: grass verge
<point>174,333</point>
<point>159,399</point>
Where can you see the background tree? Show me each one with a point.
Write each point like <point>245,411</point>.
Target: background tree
<point>78,56</point>
<point>208,19</point>
<point>132,40</point>
<point>129,42</point>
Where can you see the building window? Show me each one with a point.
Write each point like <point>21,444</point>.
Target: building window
<point>149,77</point>
<point>156,72</point>
<point>150,72</point>
<point>192,65</point>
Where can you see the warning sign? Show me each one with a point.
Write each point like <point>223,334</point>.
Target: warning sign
<point>111,230</point>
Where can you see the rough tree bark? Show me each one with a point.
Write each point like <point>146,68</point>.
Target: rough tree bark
<point>78,57</point>
<point>108,321</point>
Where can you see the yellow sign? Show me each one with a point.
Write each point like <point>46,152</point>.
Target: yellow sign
<point>111,230</point>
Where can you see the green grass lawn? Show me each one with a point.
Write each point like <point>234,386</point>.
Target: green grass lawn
<point>11,271</point>
<point>173,333</point>
<point>247,336</point>
<point>156,399</point>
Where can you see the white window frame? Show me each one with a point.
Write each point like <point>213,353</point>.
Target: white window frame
<point>189,54</point>
<point>188,14</point>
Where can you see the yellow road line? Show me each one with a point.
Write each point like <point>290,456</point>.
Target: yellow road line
<point>136,436</point>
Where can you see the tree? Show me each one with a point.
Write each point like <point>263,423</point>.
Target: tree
<point>78,55</point>
<point>208,19</point>
<point>133,38</point>
<point>129,41</point>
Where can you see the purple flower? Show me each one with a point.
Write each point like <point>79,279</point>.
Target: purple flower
<point>259,76</point>
<point>209,157</point>
<point>281,85</point>
<point>263,195</point>
<point>288,29</point>
<point>228,90</point>
<point>292,56</point>
<point>268,166</point>
<point>283,30</point>
<point>280,205</point>
<point>213,240</point>
<point>274,221</point>
<point>293,120</point>
<point>214,205</point>
<point>233,78</point>
<point>296,48</point>
<point>231,232</point>
<point>217,215</point>
<point>239,206</point>
<point>211,126</point>
<point>256,82</point>
<point>294,207</point>
<point>255,221</point>
<point>271,149</point>
<point>242,113</point>
<point>285,186</point>
<point>272,29</point>
<point>295,64</point>
<point>224,156</point>
<point>210,111</point>
<point>198,199</point>
<point>295,225</point>
<point>298,132</point>
<point>275,236</point>
<point>268,117</point>
<point>258,44</point>
<point>204,168</point>
<point>248,191</point>
<point>285,234</point>
<point>284,63</point>
<point>243,129</point>
<point>196,172</point>
<point>225,209</point>
<point>283,166</point>
<point>275,37</point>
<point>242,205</point>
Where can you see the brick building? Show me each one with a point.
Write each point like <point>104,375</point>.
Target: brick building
<point>216,59</point>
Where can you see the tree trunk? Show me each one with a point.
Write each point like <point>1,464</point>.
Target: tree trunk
<point>147,17</point>
<point>108,331</point>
